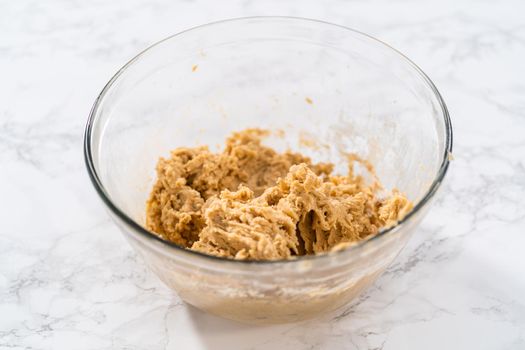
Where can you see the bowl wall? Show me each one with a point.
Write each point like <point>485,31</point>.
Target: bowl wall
<point>330,89</point>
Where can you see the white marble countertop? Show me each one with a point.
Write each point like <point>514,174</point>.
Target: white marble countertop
<point>68,279</point>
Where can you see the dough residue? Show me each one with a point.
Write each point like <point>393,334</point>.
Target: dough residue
<point>252,202</point>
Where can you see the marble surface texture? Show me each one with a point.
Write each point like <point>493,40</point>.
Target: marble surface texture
<point>69,280</point>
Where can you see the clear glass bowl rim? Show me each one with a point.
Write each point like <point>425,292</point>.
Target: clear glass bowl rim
<point>99,187</point>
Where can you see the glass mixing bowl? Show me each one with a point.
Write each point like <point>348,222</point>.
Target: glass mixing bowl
<point>322,83</point>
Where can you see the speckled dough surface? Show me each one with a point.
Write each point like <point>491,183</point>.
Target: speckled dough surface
<point>251,202</point>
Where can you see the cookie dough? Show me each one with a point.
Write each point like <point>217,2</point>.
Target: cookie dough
<point>251,202</point>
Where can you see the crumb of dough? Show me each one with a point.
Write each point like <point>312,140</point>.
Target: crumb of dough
<point>252,202</point>
<point>194,67</point>
<point>309,100</point>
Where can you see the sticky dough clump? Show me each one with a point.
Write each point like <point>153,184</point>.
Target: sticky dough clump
<point>251,202</point>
